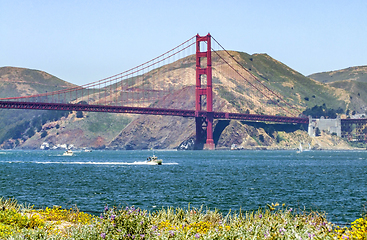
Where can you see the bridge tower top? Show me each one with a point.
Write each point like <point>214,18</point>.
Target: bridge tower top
<point>204,69</point>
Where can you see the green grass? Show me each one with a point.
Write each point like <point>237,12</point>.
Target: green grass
<point>274,74</point>
<point>102,122</point>
<point>354,73</point>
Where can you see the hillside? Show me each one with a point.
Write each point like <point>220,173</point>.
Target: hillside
<point>296,89</point>
<point>353,80</point>
<point>231,93</point>
<point>358,74</point>
<point>27,128</point>
<point>22,82</point>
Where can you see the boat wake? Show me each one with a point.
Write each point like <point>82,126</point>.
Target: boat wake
<point>105,163</point>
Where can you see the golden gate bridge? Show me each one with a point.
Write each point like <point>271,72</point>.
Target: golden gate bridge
<point>142,89</point>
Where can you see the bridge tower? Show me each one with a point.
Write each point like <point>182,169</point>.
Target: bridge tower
<point>204,68</point>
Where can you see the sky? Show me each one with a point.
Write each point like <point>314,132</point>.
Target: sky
<point>85,41</point>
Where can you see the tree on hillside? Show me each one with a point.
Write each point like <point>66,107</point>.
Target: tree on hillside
<point>270,130</point>
<point>43,134</point>
<point>79,114</point>
<point>261,138</point>
<point>30,132</point>
<point>278,138</point>
<point>319,111</point>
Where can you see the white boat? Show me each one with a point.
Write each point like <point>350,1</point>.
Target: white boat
<point>300,149</point>
<point>154,160</point>
<point>68,153</point>
<point>308,149</point>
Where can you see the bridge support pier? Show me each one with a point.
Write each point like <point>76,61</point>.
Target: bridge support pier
<point>209,145</point>
<point>204,89</point>
<point>204,128</point>
<point>200,124</point>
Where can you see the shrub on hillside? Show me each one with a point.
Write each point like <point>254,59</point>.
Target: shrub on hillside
<point>319,111</point>
<point>43,134</point>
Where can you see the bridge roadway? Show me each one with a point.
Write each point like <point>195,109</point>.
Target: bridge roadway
<point>149,111</point>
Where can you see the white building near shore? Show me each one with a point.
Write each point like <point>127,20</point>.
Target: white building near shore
<point>330,125</point>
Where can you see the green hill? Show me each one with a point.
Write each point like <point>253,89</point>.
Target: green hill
<point>358,74</point>
<point>22,82</point>
<point>353,80</point>
<point>16,82</point>
<point>29,128</point>
<point>296,89</point>
<point>233,92</point>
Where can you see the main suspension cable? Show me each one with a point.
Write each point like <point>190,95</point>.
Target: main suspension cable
<point>114,77</point>
<point>257,79</point>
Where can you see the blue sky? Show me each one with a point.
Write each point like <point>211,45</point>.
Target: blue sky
<point>84,41</point>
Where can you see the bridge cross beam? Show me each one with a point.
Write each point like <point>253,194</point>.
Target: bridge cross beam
<point>206,89</point>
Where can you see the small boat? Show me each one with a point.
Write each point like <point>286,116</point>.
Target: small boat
<point>68,153</point>
<point>307,149</point>
<point>300,149</point>
<point>154,160</point>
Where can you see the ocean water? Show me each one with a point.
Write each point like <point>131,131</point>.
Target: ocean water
<point>334,182</point>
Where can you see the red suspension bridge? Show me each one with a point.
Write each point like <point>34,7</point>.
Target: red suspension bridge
<point>140,90</point>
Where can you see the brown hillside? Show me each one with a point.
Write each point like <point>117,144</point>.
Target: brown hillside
<point>22,82</point>
<point>234,91</point>
<point>351,80</point>
<point>358,73</point>
<point>92,130</point>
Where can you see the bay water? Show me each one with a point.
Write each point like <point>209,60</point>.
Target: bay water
<point>334,182</point>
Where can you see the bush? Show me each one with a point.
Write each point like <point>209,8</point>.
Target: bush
<point>270,130</point>
<point>30,132</point>
<point>358,230</point>
<point>261,138</point>
<point>79,114</point>
<point>275,222</point>
<point>318,111</point>
<point>43,134</point>
<point>28,128</point>
<point>279,138</point>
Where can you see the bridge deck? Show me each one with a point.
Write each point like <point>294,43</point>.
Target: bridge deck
<point>150,111</point>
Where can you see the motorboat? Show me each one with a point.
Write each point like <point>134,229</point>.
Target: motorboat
<point>68,153</point>
<point>154,160</point>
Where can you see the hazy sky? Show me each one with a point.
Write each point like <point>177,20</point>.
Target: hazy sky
<point>84,41</point>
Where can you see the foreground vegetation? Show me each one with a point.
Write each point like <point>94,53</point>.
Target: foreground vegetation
<point>276,222</point>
